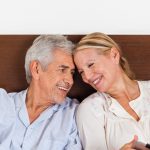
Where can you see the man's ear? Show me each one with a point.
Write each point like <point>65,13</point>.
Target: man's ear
<point>35,69</point>
<point>115,55</point>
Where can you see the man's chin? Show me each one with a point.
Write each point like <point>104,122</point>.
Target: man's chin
<point>60,100</point>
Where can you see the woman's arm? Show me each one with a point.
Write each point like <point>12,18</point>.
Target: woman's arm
<point>91,128</point>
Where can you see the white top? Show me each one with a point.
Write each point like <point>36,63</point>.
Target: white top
<point>103,123</point>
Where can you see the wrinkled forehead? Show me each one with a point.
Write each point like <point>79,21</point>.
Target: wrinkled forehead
<point>85,55</point>
<point>62,57</point>
<point>88,51</point>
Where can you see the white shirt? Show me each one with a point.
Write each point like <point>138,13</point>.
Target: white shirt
<point>103,123</point>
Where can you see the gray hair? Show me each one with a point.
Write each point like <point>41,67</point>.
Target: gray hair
<point>42,50</point>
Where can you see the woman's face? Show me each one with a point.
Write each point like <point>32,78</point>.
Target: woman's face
<point>100,71</point>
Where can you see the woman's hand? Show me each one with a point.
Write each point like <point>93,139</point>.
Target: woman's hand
<point>130,145</point>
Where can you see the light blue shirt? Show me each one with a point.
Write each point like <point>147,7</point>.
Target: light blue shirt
<point>54,129</point>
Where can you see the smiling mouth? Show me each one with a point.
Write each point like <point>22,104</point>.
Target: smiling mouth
<point>65,89</point>
<point>97,81</point>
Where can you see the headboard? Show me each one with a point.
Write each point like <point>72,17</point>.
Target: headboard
<point>136,48</point>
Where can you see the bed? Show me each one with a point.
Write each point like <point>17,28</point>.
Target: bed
<point>136,49</point>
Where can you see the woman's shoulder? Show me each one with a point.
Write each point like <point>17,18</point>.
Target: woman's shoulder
<point>145,84</point>
<point>94,102</point>
<point>93,98</point>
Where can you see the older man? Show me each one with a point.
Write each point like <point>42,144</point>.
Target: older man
<point>42,117</point>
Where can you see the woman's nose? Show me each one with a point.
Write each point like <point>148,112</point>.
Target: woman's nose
<point>87,75</point>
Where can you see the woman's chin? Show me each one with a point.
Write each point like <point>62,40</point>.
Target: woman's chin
<point>101,89</point>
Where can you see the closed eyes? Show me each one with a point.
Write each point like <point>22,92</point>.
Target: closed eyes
<point>90,65</point>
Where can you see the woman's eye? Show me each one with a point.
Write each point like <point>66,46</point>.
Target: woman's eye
<point>90,65</point>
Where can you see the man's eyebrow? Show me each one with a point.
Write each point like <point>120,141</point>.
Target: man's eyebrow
<point>63,66</point>
<point>66,67</point>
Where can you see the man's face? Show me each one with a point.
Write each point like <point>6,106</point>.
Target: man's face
<point>57,79</point>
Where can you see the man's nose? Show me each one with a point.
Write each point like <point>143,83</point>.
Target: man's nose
<point>69,78</point>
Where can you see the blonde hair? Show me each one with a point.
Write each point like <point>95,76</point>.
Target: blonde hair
<point>104,43</point>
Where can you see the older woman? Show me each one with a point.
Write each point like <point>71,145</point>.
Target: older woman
<point>118,114</point>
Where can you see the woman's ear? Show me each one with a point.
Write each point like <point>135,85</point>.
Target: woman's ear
<point>35,68</point>
<point>115,55</point>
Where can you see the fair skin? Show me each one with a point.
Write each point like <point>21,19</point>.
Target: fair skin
<point>130,145</point>
<point>103,72</point>
<point>49,87</point>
